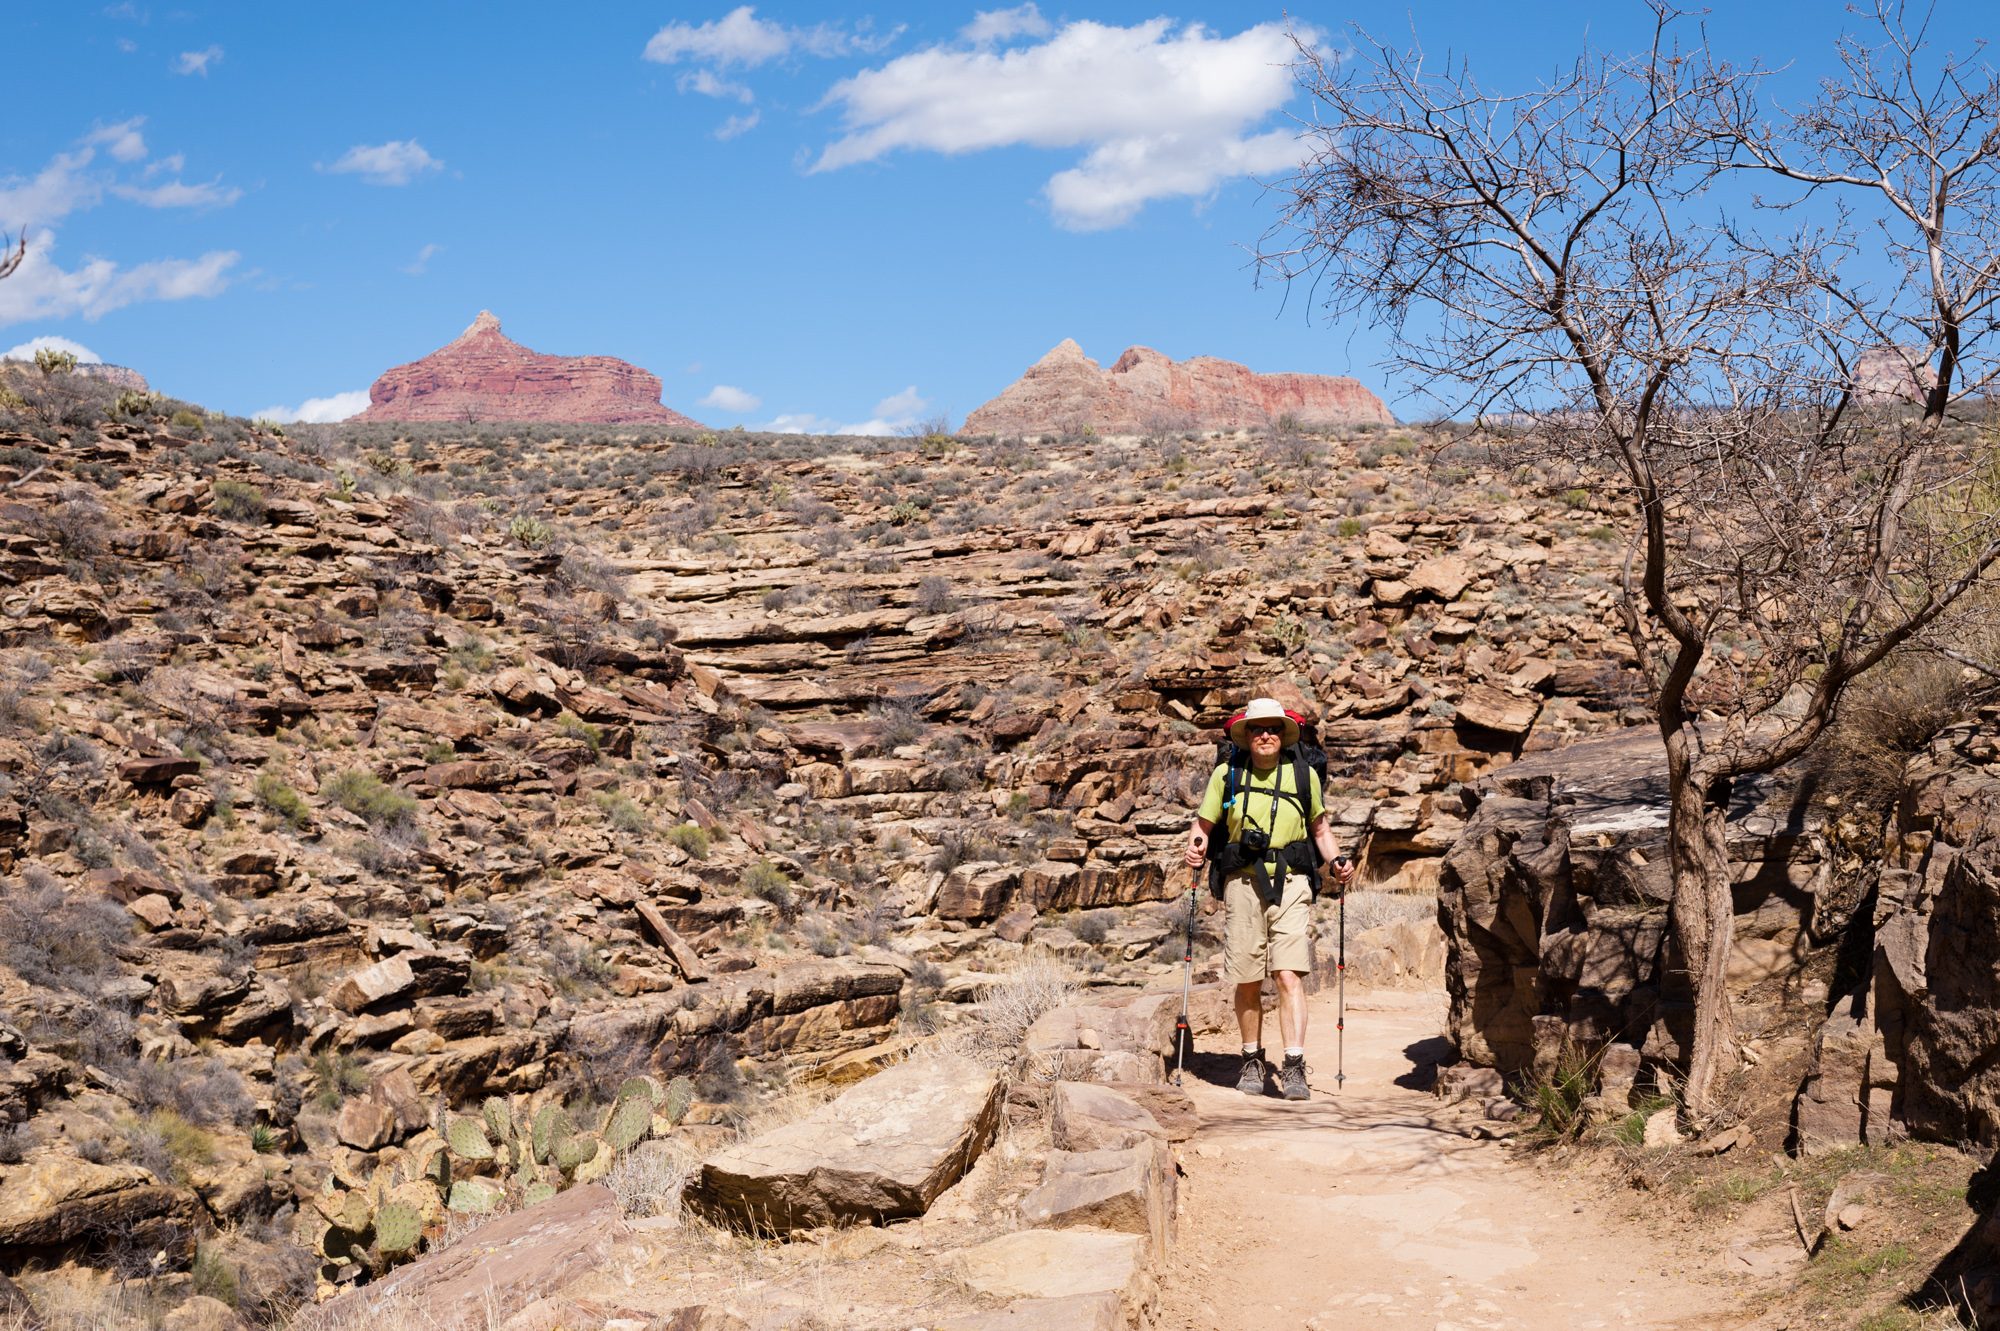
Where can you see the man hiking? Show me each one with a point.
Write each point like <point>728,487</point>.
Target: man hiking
<point>1265,867</point>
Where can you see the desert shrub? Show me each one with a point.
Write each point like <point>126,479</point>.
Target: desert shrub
<point>768,882</point>
<point>898,722</point>
<point>649,1179</point>
<point>1094,926</point>
<point>57,939</point>
<point>237,501</point>
<point>335,1076</point>
<point>574,726</point>
<point>623,814</point>
<point>1040,984</point>
<point>1557,1096</point>
<point>690,837</point>
<point>531,531</point>
<point>168,1145</point>
<point>934,596</point>
<point>203,1090</point>
<point>271,791</point>
<point>185,419</point>
<point>1887,716</point>
<point>369,798</point>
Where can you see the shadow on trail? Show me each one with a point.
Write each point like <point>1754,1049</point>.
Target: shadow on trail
<point>1426,1056</point>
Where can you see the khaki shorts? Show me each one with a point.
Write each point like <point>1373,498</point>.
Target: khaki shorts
<point>1259,938</point>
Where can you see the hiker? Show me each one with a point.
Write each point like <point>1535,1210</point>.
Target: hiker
<point>1263,874</point>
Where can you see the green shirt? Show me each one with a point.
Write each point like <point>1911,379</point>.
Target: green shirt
<point>1258,793</point>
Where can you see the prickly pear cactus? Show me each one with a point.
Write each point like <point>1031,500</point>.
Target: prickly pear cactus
<point>476,1196</point>
<point>552,1126</point>
<point>355,1213</point>
<point>467,1139</point>
<point>421,1196</point>
<point>536,1193</point>
<point>640,1086</point>
<point>399,1229</point>
<point>596,1167</point>
<point>628,1123</point>
<point>573,1152</point>
<point>524,1168</point>
<point>498,1116</point>
<point>679,1099</point>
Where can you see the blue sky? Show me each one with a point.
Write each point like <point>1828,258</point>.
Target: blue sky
<point>798,215</point>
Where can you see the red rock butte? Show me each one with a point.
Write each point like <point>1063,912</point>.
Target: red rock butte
<point>1148,393</point>
<point>484,375</point>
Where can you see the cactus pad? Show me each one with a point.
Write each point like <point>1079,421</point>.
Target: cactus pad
<point>536,1193</point>
<point>398,1230</point>
<point>596,1167</point>
<point>467,1139</point>
<point>679,1099</point>
<point>573,1152</point>
<point>498,1116</point>
<point>630,1120</point>
<point>640,1086</point>
<point>476,1196</point>
<point>551,1126</point>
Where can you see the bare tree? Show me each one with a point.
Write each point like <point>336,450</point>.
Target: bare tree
<point>9,262</point>
<point>1697,293</point>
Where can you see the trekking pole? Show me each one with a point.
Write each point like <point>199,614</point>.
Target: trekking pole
<point>1340,1011</point>
<point>1183,1034</point>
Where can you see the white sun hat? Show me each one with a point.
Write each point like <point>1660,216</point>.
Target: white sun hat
<point>1262,709</point>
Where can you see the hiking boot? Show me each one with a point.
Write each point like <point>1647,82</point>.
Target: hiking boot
<point>1292,1078</point>
<point>1255,1070</point>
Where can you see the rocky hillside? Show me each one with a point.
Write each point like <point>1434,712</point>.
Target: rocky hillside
<point>354,781</point>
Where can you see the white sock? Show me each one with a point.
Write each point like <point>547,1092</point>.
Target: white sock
<point>1249,1049</point>
<point>1294,1053</point>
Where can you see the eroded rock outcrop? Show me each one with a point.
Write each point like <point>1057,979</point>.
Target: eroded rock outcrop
<point>1554,903</point>
<point>1145,392</point>
<point>484,375</point>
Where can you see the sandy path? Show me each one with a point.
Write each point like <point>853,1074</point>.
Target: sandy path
<point>1354,1210</point>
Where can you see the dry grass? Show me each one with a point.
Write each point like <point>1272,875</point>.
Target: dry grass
<point>1041,983</point>
<point>1369,910</point>
<point>650,1178</point>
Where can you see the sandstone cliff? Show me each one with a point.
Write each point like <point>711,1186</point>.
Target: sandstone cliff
<point>484,375</point>
<point>1148,393</point>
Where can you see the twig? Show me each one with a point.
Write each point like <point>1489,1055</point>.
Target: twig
<point>23,480</point>
<point>1798,1218</point>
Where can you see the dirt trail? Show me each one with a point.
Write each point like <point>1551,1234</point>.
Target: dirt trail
<point>1354,1210</point>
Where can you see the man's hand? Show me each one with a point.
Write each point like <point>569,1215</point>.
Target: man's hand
<point>1341,874</point>
<point>1197,849</point>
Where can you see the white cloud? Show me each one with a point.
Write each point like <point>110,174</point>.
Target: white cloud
<point>123,140</point>
<point>172,164</point>
<point>197,62</point>
<point>1164,111</point>
<point>421,264</point>
<point>737,38</point>
<point>180,194</point>
<point>709,84</point>
<point>59,189</point>
<point>736,125</point>
<point>41,289</point>
<point>732,399</point>
<point>896,414</point>
<point>27,350</point>
<point>319,410</point>
<point>741,38</point>
<point>989,26</point>
<point>396,162</point>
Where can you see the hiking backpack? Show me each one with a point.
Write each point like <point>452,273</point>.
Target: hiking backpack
<point>1304,756</point>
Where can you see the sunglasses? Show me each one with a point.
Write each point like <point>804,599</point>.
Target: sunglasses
<point>1273,729</point>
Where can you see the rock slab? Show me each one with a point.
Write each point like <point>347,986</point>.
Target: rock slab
<point>884,1150</point>
<point>491,1274</point>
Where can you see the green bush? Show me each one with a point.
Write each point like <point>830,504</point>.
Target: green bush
<point>236,501</point>
<point>281,799</point>
<point>623,814</point>
<point>530,531</point>
<point>187,420</point>
<point>581,730</point>
<point>367,797</point>
<point>768,882</point>
<point>690,837</point>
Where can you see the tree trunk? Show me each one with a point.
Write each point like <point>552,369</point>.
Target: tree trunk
<point>1704,915</point>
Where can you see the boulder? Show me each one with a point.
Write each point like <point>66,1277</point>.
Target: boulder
<point>372,985</point>
<point>532,1254</point>
<point>884,1150</point>
<point>1085,1116</point>
<point>1131,1191</point>
<point>53,1204</point>
<point>1061,1264</point>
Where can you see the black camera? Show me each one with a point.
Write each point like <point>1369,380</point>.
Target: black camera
<point>1255,841</point>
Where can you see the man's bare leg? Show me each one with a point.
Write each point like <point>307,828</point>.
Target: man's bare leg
<point>1291,1008</point>
<point>1250,1013</point>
